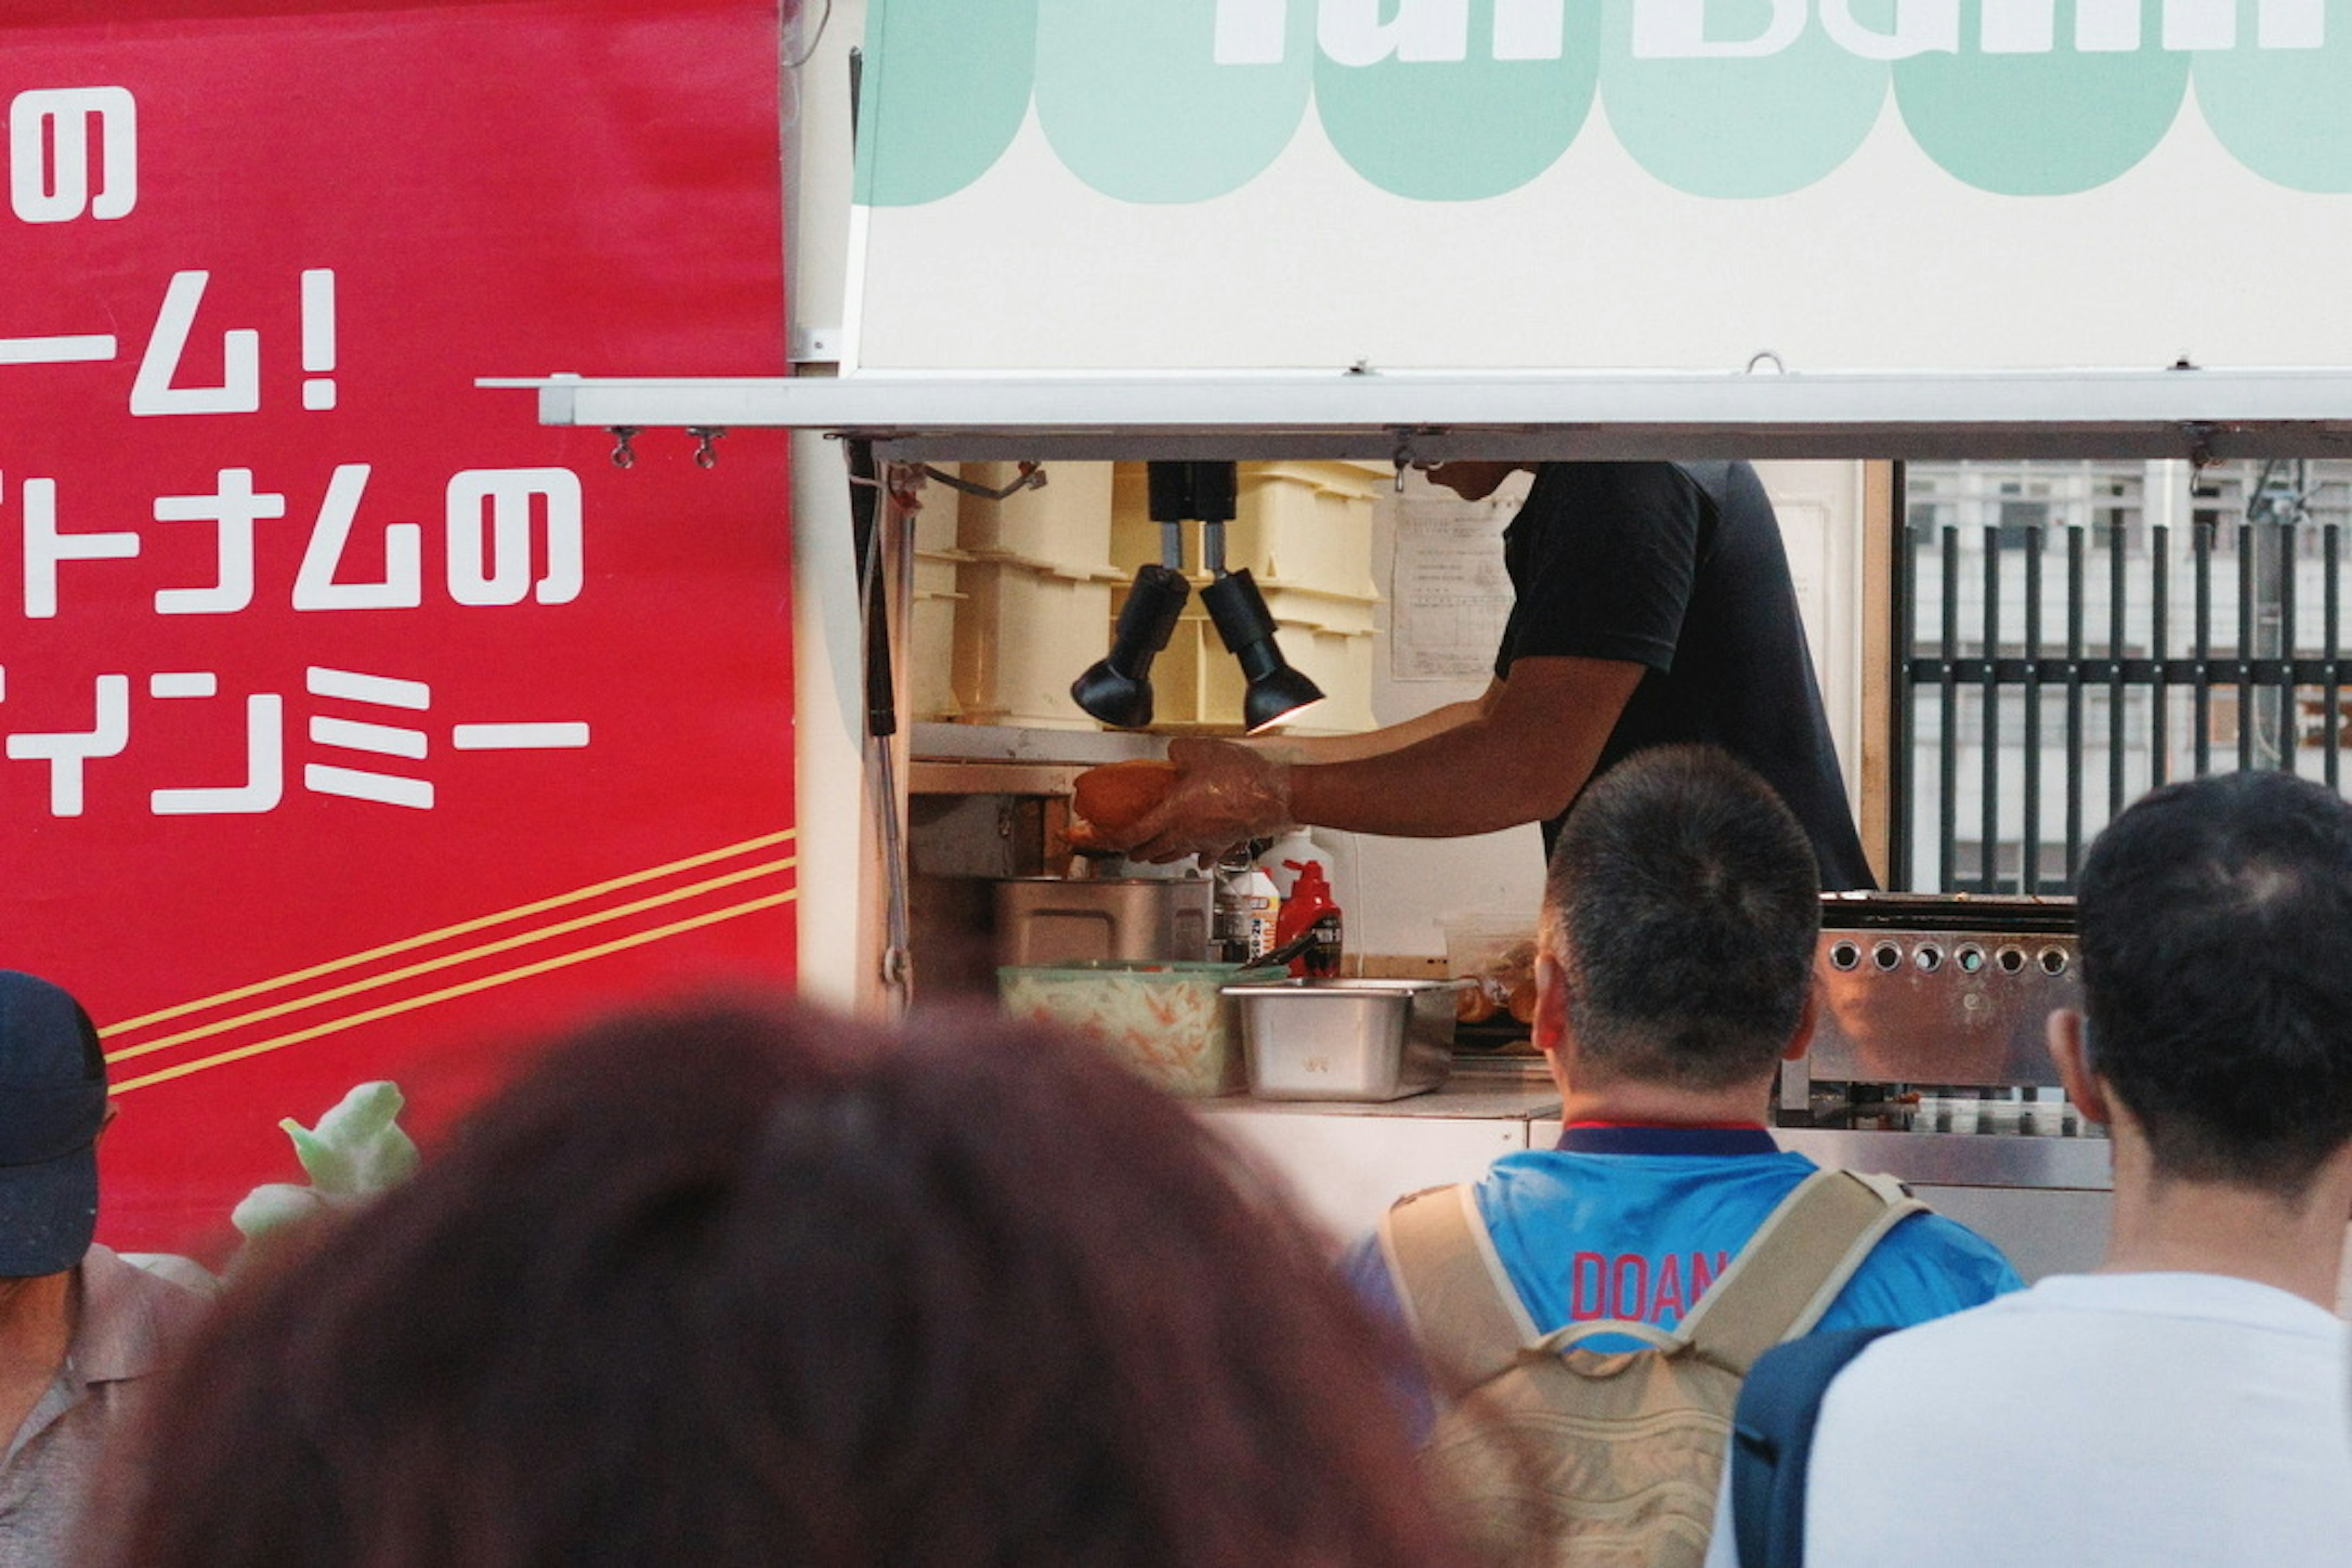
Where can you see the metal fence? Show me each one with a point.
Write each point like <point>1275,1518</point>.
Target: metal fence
<point>2073,634</point>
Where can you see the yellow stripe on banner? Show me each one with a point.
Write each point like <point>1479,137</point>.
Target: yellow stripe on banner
<point>487,981</point>
<point>296,976</point>
<point>451,960</point>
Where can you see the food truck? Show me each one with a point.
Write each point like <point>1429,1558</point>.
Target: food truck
<point>1325,240</point>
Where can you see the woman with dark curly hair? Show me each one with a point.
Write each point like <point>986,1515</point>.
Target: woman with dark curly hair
<point>763,1285</point>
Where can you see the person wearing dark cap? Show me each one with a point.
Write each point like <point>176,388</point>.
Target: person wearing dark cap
<point>82,1332</point>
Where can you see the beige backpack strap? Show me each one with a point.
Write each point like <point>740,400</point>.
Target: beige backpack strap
<point>1795,1265</point>
<point>1462,1307</point>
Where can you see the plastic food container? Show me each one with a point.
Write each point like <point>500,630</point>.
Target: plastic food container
<point>1497,953</point>
<point>1346,1039</point>
<point>1169,1022</point>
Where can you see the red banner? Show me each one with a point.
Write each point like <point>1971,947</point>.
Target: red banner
<point>352,725</point>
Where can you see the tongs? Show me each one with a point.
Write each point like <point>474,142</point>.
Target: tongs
<point>1279,957</point>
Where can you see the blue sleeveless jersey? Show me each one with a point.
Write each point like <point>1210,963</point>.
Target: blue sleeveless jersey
<point>1635,1222</point>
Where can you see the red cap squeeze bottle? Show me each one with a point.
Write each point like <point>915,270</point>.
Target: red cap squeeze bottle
<point>1311,908</point>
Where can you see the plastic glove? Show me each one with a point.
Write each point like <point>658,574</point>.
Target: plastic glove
<point>1225,795</point>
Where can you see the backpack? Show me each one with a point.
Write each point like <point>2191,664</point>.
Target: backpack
<point>1773,1443</point>
<point>1545,1452</point>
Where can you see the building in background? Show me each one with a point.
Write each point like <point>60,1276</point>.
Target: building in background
<point>2077,632</point>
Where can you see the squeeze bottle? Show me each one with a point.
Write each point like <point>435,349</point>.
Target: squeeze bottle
<point>1287,853</point>
<point>1310,906</point>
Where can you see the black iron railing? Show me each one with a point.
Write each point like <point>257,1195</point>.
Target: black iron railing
<point>2055,618</point>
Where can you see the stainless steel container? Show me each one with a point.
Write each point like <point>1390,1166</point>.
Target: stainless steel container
<point>1346,1039</point>
<point>1051,920</point>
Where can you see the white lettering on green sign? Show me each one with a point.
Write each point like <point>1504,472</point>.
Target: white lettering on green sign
<point>1182,100</point>
<point>1357,32</point>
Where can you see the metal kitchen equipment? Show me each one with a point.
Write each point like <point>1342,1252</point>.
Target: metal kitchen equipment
<point>1346,1039</point>
<point>1053,920</point>
<point>1948,991</point>
<point>1929,1063</point>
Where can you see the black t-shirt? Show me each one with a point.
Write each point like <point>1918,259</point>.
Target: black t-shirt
<point>1679,567</point>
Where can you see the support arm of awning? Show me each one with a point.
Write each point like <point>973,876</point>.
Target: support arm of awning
<point>2199,413</point>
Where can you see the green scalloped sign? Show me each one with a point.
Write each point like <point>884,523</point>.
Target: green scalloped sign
<point>1449,101</point>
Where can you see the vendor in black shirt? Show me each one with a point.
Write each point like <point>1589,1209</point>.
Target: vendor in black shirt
<point>1653,605</point>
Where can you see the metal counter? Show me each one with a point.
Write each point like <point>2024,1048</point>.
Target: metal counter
<point>1960,1160</point>
<point>2042,1199</point>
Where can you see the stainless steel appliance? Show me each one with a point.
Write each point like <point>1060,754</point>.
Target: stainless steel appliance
<point>1054,919</point>
<point>1930,1062</point>
<point>1942,990</point>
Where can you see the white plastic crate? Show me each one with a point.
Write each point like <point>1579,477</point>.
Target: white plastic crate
<point>1022,633</point>
<point>932,632</point>
<point>1296,525</point>
<point>1197,686</point>
<point>1307,525</point>
<point>1318,609</point>
<point>1342,664</point>
<point>1065,524</point>
<point>931,618</point>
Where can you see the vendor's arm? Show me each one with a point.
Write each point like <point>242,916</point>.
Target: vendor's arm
<point>1471,481</point>
<point>1518,755</point>
<point>1523,758</point>
<point>1370,743</point>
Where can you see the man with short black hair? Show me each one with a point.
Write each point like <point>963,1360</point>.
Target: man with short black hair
<point>82,1332</point>
<point>1675,973</point>
<point>2186,1404</point>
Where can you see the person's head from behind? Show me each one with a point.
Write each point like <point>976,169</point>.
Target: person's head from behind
<point>53,1105</point>
<point>2216,930</point>
<point>749,1286</point>
<point>1680,915</point>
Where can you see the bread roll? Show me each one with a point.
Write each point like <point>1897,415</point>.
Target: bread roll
<point>1115,797</point>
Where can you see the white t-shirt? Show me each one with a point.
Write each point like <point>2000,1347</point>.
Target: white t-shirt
<point>2140,1419</point>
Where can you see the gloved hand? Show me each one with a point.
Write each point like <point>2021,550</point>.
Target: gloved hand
<point>1225,795</point>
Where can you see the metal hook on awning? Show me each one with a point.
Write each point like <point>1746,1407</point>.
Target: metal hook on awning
<point>1403,460</point>
<point>624,455</point>
<point>706,453</point>
<point>2202,455</point>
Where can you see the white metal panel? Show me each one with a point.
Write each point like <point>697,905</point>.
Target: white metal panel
<point>1343,1170</point>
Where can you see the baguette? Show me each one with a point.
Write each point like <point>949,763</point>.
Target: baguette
<point>1115,797</point>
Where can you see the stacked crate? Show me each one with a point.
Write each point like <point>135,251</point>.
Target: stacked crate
<point>1033,582</point>
<point>1015,597</point>
<point>930,675</point>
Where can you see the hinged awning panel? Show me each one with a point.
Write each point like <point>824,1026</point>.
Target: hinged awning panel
<point>2174,413</point>
<point>1664,184</point>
